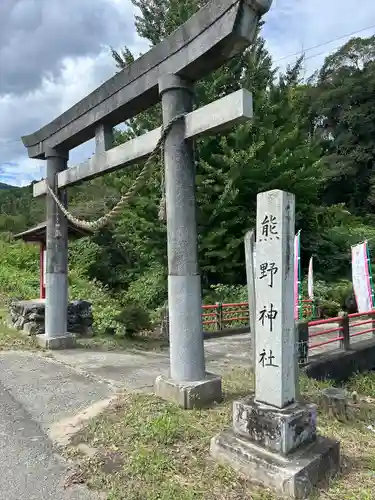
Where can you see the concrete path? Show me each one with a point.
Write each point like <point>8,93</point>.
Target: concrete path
<point>44,399</point>
<point>137,371</point>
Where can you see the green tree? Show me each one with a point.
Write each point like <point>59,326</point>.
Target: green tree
<point>344,106</point>
<point>273,151</point>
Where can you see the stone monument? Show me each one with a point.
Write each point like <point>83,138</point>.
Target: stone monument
<point>220,30</point>
<point>273,440</point>
<point>249,242</point>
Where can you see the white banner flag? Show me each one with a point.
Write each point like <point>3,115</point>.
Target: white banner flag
<point>310,280</point>
<point>297,277</point>
<point>361,278</point>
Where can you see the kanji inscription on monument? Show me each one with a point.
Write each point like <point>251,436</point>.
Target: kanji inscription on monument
<point>274,331</point>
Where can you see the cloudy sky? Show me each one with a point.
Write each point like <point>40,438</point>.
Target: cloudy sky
<point>53,52</point>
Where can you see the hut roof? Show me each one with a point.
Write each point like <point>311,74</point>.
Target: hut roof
<point>38,233</point>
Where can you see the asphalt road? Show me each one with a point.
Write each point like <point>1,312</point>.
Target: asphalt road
<point>30,467</point>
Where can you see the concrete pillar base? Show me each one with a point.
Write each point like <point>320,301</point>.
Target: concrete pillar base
<point>293,476</point>
<point>67,341</point>
<point>188,395</point>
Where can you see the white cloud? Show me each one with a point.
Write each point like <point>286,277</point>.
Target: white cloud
<point>22,172</point>
<point>291,27</point>
<point>24,112</point>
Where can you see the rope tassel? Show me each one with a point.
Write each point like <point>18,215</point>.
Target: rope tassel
<point>162,213</point>
<point>127,197</point>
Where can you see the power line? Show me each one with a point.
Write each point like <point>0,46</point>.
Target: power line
<point>324,43</point>
<point>319,54</point>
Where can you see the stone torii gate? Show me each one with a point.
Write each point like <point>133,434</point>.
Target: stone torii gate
<point>167,72</point>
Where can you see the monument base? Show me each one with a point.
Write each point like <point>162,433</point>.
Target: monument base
<point>293,476</point>
<point>67,341</point>
<point>279,430</point>
<point>188,395</point>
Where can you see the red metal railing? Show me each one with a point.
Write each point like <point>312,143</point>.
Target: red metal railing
<point>344,327</point>
<point>220,316</point>
<point>339,329</point>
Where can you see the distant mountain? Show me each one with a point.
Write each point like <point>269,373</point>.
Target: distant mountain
<point>5,186</point>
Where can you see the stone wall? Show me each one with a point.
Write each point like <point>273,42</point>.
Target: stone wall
<point>28,315</point>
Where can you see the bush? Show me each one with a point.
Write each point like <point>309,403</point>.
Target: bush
<point>82,253</point>
<point>105,307</point>
<point>225,293</point>
<point>150,290</point>
<point>19,270</point>
<point>332,297</point>
<point>158,315</point>
<point>19,277</point>
<point>134,318</point>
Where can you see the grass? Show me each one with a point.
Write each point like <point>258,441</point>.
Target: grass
<point>143,448</point>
